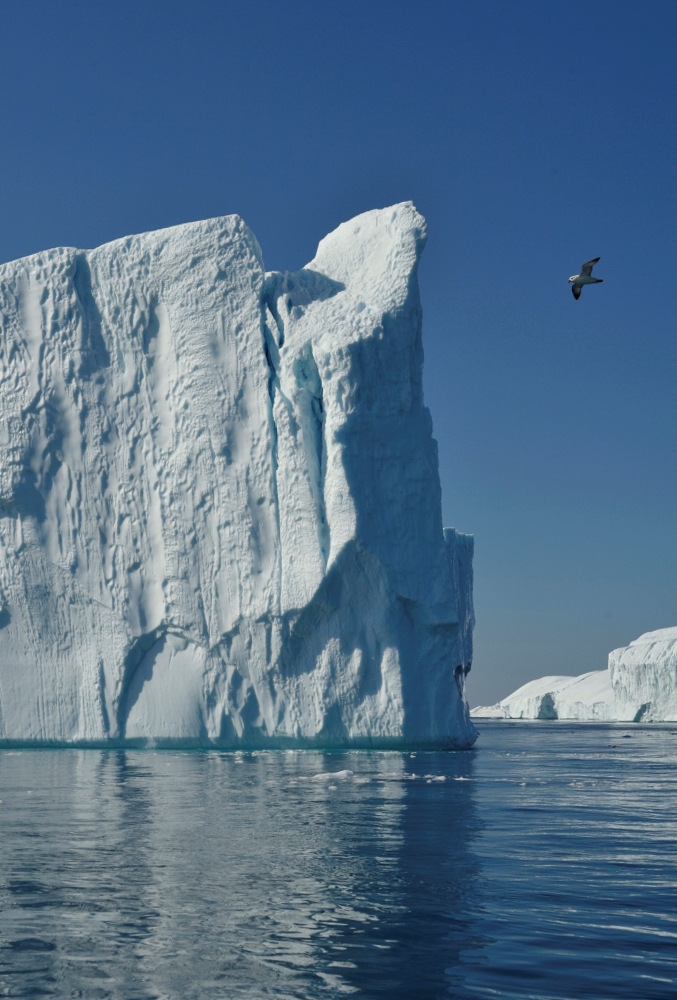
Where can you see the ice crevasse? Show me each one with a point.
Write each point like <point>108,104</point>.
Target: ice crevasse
<point>220,510</point>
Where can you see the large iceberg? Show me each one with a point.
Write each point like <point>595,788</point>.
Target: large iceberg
<point>220,512</point>
<point>640,685</point>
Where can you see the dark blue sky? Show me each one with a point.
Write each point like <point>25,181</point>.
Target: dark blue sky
<point>532,135</point>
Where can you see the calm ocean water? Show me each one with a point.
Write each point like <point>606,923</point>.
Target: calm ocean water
<point>542,864</point>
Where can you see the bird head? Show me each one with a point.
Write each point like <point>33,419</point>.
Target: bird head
<point>572,278</point>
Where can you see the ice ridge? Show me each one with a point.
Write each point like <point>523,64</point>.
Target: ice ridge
<point>220,511</point>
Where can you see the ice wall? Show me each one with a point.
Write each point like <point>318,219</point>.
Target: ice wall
<point>219,497</point>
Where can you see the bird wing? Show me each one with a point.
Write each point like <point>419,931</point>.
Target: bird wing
<point>576,291</point>
<point>587,268</point>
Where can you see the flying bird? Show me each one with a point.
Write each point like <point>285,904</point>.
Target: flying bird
<point>584,278</point>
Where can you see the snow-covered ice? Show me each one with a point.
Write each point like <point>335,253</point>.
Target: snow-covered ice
<point>220,513</point>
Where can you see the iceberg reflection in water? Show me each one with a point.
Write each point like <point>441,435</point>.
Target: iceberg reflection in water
<point>541,864</point>
<point>141,874</point>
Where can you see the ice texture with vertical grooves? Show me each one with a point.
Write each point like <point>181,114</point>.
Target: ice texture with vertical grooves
<point>644,677</point>
<point>220,511</point>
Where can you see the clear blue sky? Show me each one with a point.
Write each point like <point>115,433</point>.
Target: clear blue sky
<point>532,135</point>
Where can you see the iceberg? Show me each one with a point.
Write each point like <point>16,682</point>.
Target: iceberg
<point>220,508</point>
<point>586,698</point>
<point>640,685</point>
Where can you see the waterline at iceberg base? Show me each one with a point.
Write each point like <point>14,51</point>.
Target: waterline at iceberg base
<point>640,685</point>
<point>220,510</point>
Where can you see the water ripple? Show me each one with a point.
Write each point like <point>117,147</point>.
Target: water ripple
<point>539,865</point>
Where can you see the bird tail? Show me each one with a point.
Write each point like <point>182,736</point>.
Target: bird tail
<point>598,281</point>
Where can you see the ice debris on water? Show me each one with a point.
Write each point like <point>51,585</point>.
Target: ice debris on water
<point>346,775</point>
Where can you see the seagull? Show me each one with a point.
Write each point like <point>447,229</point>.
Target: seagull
<point>584,278</point>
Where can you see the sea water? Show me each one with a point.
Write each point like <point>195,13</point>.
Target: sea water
<point>541,864</point>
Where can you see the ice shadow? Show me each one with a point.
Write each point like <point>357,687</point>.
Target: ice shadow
<point>94,354</point>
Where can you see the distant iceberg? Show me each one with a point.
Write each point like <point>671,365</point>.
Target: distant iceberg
<point>640,685</point>
<point>586,698</point>
<point>220,508</point>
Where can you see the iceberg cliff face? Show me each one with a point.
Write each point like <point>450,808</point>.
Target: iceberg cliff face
<point>219,497</point>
